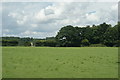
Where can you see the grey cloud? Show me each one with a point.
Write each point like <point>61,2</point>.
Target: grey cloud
<point>119,11</point>
<point>44,19</point>
<point>49,11</point>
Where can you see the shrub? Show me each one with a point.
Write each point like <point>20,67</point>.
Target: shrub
<point>97,45</point>
<point>9,43</point>
<point>50,43</point>
<point>85,42</point>
<point>117,43</point>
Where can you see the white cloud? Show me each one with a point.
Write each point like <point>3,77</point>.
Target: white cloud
<point>114,7</point>
<point>60,0</point>
<point>6,30</point>
<point>14,15</point>
<point>40,15</point>
<point>20,18</point>
<point>44,19</point>
<point>29,33</point>
<point>34,25</point>
<point>92,17</point>
<point>38,34</point>
<point>50,12</point>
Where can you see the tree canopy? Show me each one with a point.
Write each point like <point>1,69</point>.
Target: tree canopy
<point>73,36</point>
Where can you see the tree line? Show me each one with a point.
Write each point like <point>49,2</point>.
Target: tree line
<point>69,36</point>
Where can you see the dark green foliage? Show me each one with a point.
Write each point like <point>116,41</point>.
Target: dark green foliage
<point>16,41</point>
<point>85,42</point>
<point>101,35</point>
<point>9,43</point>
<point>51,43</point>
<point>25,41</point>
<point>69,36</point>
<point>117,43</point>
<point>111,36</point>
<point>97,45</point>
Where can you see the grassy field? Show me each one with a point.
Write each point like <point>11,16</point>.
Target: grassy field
<point>0,62</point>
<point>50,62</point>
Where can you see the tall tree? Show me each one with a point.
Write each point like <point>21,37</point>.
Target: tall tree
<point>111,36</point>
<point>68,36</point>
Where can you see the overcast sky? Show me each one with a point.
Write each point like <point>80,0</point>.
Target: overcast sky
<point>44,19</point>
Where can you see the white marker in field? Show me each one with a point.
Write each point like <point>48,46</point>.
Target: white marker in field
<point>31,44</point>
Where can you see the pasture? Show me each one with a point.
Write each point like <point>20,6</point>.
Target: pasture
<point>60,62</point>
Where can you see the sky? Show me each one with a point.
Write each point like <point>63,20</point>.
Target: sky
<point>45,19</point>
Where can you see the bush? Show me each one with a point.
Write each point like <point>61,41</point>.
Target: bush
<point>109,43</point>
<point>117,43</point>
<point>97,45</point>
<point>39,43</point>
<point>85,42</point>
<point>27,44</point>
<point>9,43</point>
<point>50,43</point>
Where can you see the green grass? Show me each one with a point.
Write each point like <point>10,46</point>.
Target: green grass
<point>0,62</point>
<point>56,62</point>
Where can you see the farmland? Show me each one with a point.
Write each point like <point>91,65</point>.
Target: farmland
<point>60,62</point>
